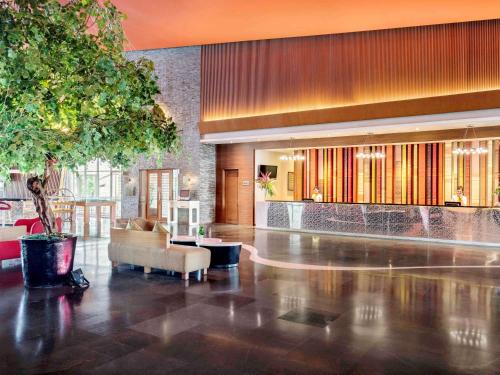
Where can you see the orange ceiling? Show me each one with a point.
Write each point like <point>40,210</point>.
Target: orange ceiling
<point>171,23</point>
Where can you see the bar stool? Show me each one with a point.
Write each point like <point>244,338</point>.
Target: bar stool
<point>6,209</point>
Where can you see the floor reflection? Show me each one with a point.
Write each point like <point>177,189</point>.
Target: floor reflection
<point>345,252</point>
<point>263,319</point>
<point>44,317</point>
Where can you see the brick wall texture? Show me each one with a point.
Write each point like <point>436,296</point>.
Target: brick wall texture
<point>178,71</point>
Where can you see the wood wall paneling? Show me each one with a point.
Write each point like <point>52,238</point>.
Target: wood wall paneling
<point>298,172</point>
<point>467,174</point>
<point>240,157</point>
<point>489,173</point>
<point>347,77</point>
<point>474,177</point>
<point>389,174</point>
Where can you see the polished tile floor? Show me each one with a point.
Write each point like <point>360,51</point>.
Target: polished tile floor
<point>262,319</point>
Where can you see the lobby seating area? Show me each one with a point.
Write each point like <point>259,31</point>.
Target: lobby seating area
<point>153,250</point>
<point>140,244</point>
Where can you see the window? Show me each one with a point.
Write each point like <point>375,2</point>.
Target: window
<point>97,180</point>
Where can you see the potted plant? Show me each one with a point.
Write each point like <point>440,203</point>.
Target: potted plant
<point>201,232</point>
<point>497,196</point>
<point>68,96</point>
<point>265,183</point>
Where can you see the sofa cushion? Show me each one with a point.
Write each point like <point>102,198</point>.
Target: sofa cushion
<point>158,227</point>
<point>12,233</point>
<point>10,250</point>
<point>132,225</point>
<point>145,225</point>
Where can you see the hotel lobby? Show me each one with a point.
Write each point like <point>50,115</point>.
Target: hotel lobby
<point>233,188</point>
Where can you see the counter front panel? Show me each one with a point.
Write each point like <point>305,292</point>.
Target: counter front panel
<point>451,224</point>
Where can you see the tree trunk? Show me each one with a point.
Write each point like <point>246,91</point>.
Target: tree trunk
<point>36,185</point>
<point>44,212</point>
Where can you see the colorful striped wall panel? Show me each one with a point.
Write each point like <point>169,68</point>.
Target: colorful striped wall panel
<point>409,174</point>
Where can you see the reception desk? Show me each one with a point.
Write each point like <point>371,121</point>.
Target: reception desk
<point>466,225</point>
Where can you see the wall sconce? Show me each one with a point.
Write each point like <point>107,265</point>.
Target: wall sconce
<point>189,181</point>
<point>129,179</point>
<point>130,186</point>
<point>164,108</point>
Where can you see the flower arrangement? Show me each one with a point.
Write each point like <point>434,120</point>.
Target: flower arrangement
<point>496,196</point>
<point>266,183</point>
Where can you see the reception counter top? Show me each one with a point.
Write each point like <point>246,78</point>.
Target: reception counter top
<point>471,225</point>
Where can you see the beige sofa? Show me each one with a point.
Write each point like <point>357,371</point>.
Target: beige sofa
<point>153,250</point>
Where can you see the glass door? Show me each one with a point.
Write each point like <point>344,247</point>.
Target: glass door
<point>160,191</point>
<point>152,197</point>
<point>165,196</point>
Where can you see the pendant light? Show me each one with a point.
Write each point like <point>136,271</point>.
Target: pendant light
<point>370,155</point>
<point>293,157</point>
<point>470,150</point>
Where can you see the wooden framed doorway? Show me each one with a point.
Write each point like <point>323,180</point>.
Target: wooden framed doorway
<point>159,188</point>
<point>230,198</point>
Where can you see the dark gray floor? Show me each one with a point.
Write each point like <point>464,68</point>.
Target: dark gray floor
<point>263,320</point>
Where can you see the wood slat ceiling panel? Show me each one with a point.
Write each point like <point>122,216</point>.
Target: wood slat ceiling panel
<point>266,77</point>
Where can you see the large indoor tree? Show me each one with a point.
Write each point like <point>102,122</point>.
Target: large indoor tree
<point>68,95</point>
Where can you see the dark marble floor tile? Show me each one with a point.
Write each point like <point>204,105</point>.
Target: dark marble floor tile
<point>142,362</point>
<point>336,356</point>
<point>270,340</point>
<point>71,359</point>
<point>230,301</point>
<point>179,300</point>
<point>382,362</point>
<point>310,317</point>
<point>135,339</point>
<point>165,326</point>
<point>291,367</point>
<point>425,321</point>
<point>216,354</point>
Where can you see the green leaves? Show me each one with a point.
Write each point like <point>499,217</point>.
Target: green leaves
<point>66,88</point>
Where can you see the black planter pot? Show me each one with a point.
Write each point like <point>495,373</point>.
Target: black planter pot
<point>47,263</point>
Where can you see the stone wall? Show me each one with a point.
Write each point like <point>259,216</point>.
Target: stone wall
<point>178,71</point>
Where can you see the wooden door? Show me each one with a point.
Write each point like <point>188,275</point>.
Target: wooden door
<point>231,196</point>
<point>159,193</point>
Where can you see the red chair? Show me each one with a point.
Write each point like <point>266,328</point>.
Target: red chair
<point>28,222</point>
<point>11,248</point>
<point>38,226</point>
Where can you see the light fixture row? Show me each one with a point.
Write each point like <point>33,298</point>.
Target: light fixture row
<point>292,157</point>
<point>470,151</point>
<point>370,155</point>
<point>381,155</point>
